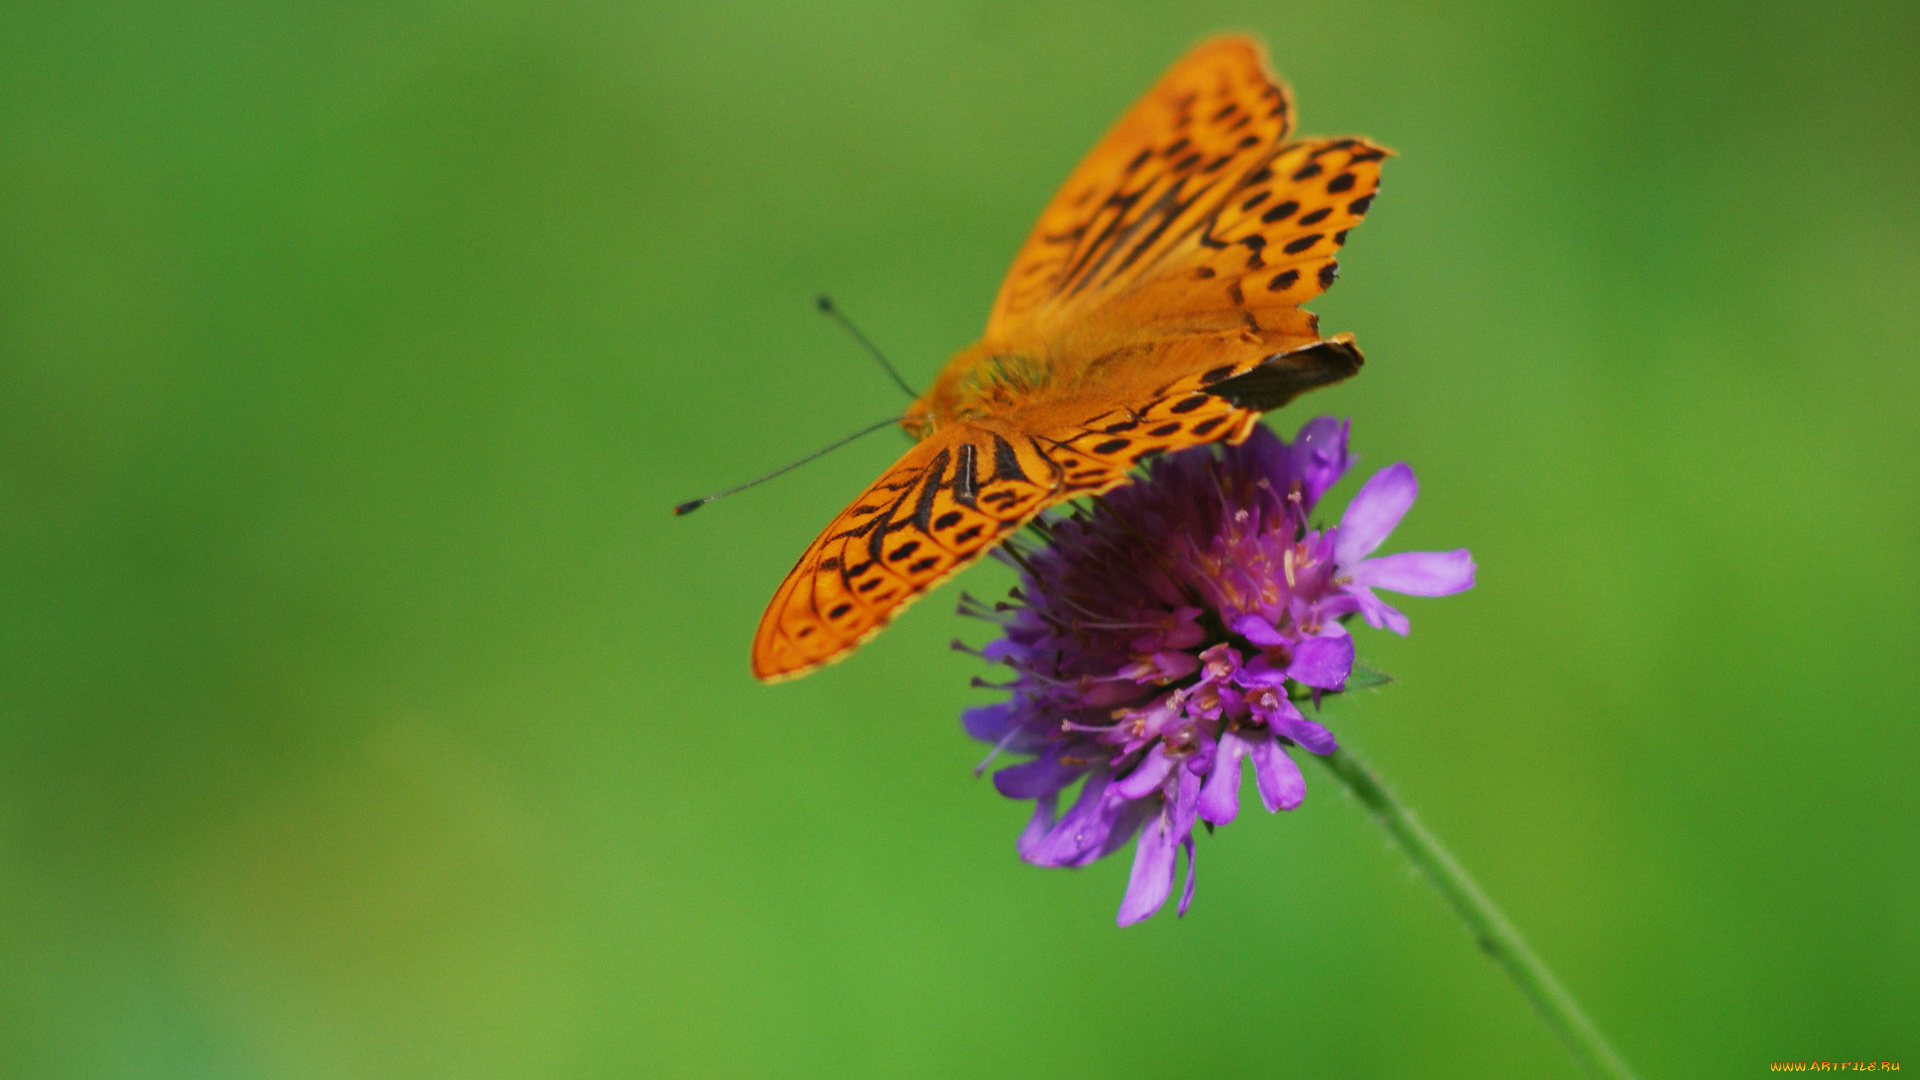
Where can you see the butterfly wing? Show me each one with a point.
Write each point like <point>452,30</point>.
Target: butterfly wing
<point>942,506</point>
<point>1194,210</point>
<point>951,498</point>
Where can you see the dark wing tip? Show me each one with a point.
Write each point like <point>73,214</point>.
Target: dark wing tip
<point>1284,376</point>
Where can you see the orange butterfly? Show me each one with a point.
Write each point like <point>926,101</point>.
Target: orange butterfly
<point>1155,306</point>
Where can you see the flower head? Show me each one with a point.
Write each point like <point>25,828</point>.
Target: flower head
<point>1172,631</point>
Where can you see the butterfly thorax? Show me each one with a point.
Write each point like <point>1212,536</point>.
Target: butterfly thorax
<point>978,383</point>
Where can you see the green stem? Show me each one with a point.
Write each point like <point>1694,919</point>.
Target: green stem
<point>1495,934</point>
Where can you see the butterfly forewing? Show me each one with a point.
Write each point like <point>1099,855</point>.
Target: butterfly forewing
<point>1149,186</point>
<point>1272,245</point>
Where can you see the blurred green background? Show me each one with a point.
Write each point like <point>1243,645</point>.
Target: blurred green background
<point>363,713</point>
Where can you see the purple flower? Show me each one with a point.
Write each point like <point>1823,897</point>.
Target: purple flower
<point>1172,632</point>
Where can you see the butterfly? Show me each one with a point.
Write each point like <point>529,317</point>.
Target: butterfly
<point>1154,306</point>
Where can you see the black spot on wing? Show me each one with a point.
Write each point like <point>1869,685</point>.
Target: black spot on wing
<point>1280,378</point>
<point>1006,464</point>
<point>929,490</point>
<point>1280,211</point>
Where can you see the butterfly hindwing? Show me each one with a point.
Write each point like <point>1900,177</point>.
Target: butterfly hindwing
<point>946,503</point>
<point>1220,403</point>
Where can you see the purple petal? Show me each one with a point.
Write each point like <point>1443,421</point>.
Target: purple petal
<point>1002,649</point>
<point>1101,695</point>
<point>1220,661</point>
<point>1374,512</point>
<point>1042,820</point>
<point>1159,667</point>
<point>1033,779</point>
<point>1263,454</point>
<point>1271,706</point>
<point>988,723</point>
<point>1281,785</point>
<point>1323,662</point>
<point>1082,830</point>
<point>1417,573</point>
<point>1315,738</point>
<point>1186,894</point>
<point>1220,798</point>
<point>1186,803</point>
<point>1318,456</point>
<point>1175,665</point>
<point>1378,612</point>
<point>1260,672</point>
<point>1131,814</point>
<point>1182,631</point>
<point>1146,779</point>
<point>1152,876</point>
<point>1256,629</point>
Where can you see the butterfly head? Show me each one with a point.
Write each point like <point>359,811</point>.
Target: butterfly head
<point>917,421</point>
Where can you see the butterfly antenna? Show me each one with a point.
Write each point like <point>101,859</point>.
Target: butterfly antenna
<point>825,304</point>
<point>691,505</point>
